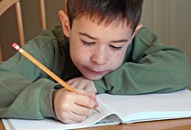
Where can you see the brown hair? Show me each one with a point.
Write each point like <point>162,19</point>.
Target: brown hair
<point>106,10</point>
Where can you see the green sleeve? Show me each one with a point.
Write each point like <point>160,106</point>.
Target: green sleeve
<point>22,95</point>
<point>149,67</point>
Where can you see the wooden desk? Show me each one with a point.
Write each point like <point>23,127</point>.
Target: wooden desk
<point>1,126</point>
<point>179,124</point>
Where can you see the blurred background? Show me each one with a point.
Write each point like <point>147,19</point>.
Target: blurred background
<point>169,19</point>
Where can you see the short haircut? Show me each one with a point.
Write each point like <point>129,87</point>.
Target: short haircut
<point>106,11</point>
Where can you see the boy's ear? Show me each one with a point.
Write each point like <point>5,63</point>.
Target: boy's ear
<point>65,22</point>
<point>137,30</point>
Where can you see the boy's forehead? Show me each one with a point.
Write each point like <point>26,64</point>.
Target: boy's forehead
<point>97,20</point>
<point>87,25</point>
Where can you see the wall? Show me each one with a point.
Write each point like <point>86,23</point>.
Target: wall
<point>170,19</point>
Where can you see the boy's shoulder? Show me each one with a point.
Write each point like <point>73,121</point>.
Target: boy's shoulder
<point>47,43</point>
<point>48,46</point>
<point>147,36</point>
<point>146,32</point>
<point>55,33</point>
<point>51,37</point>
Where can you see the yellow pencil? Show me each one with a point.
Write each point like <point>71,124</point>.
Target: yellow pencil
<point>44,68</point>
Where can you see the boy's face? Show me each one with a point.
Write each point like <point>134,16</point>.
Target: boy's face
<point>97,50</point>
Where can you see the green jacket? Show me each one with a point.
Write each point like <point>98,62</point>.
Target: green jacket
<point>149,67</point>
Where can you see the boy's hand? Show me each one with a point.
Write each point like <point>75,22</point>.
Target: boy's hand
<point>73,107</point>
<point>83,83</point>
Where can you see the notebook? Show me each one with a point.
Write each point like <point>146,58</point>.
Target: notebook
<point>116,109</point>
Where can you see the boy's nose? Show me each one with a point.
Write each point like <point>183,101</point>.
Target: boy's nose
<point>99,57</point>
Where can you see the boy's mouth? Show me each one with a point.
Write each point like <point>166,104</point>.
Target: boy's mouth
<point>95,72</point>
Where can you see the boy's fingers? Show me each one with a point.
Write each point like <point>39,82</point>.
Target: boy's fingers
<point>93,97</point>
<point>82,111</point>
<point>91,101</point>
<point>72,118</point>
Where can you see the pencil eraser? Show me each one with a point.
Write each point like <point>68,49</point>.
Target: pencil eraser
<point>16,46</point>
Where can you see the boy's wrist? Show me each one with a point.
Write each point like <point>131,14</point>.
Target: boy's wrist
<point>46,102</point>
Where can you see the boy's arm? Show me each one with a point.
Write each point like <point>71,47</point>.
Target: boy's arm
<point>24,96</point>
<point>148,67</point>
<point>24,99</point>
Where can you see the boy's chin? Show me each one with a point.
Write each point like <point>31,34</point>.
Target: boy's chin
<point>93,77</point>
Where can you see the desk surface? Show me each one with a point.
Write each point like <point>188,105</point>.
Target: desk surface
<point>179,124</point>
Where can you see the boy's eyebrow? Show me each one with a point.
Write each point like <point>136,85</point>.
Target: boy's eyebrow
<point>87,35</point>
<point>122,40</point>
<point>115,41</point>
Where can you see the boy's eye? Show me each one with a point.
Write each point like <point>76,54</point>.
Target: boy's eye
<point>115,47</point>
<point>87,43</point>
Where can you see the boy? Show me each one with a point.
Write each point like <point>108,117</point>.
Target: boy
<point>100,48</point>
